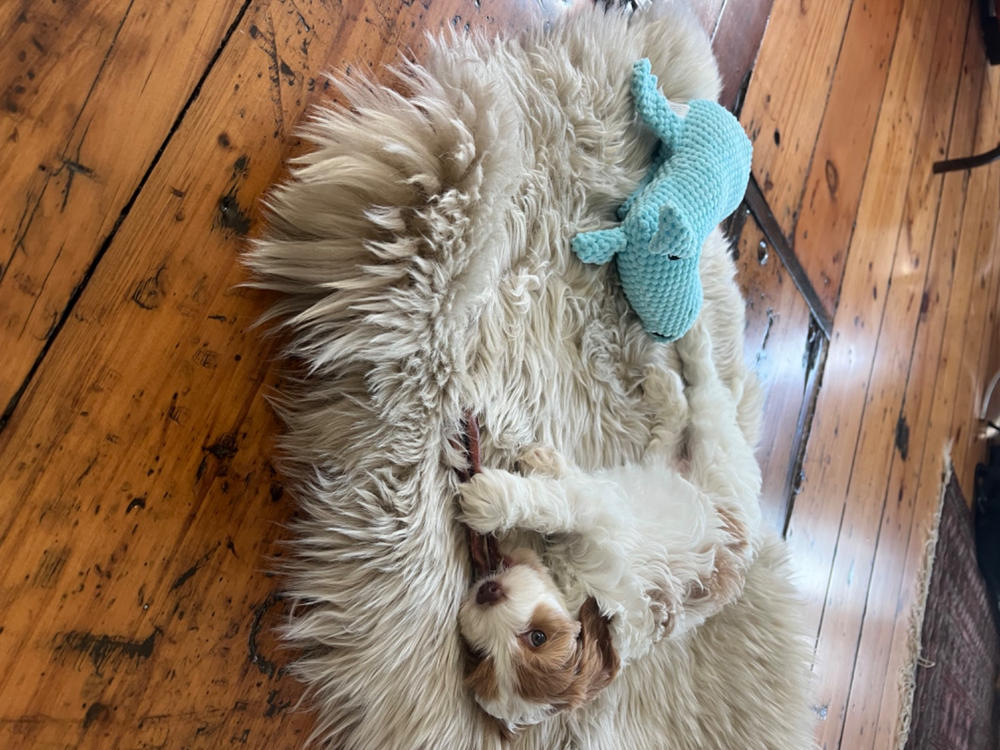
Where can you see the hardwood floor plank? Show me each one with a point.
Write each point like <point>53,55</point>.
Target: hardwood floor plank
<point>787,97</point>
<point>140,505</point>
<point>850,604</point>
<point>837,515</point>
<point>830,454</point>
<point>920,476</point>
<point>92,90</point>
<point>736,41</point>
<point>874,706</point>
<point>784,350</point>
<point>968,448</point>
<point>966,257</point>
<point>828,203</point>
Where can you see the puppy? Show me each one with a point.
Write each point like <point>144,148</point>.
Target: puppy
<point>641,551</point>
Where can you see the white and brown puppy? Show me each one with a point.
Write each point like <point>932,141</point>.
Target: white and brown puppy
<point>655,548</point>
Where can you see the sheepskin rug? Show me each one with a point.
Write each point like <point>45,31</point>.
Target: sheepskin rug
<point>421,252</point>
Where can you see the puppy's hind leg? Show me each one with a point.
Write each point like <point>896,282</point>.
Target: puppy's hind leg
<point>665,389</point>
<point>711,404</point>
<point>542,460</point>
<point>722,461</point>
<point>722,465</point>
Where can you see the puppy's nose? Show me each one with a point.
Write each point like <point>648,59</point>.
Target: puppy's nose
<point>489,593</point>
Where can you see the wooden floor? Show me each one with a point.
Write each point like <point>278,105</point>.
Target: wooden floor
<point>139,506</point>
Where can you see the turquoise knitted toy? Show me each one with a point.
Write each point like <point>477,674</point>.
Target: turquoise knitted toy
<point>698,177</point>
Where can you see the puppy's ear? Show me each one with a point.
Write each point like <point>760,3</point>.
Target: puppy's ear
<point>573,665</point>
<point>598,659</point>
<point>481,677</point>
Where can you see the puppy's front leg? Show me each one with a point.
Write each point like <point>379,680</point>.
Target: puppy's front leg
<point>497,501</point>
<point>542,460</point>
<point>665,389</point>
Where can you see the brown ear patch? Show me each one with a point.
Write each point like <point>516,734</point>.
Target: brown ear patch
<point>576,661</point>
<point>481,677</point>
<point>600,661</point>
<point>545,673</point>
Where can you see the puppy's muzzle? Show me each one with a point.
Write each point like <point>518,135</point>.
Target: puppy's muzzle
<point>489,593</point>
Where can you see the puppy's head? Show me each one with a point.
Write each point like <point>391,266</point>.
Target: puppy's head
<point>529,658</point>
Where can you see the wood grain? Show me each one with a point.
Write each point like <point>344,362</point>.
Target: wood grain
<point>141,510</point>
<point>915,477</point>
<point>831,451</point>
<point>812,108</point>
<point>784,351</point>
<point>787,96</point>
<point>828,201</point>
<point>77,79</point>
<point>735,41</point>
<point>983,238</point>
<point>837,521</point>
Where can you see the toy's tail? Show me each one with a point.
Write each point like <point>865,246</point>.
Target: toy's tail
<point>600,245</point>
<point>652,106</point>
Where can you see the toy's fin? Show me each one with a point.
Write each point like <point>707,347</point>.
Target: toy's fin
<point>599,246</point>
<point>673,236</point>
<point>652,106</point>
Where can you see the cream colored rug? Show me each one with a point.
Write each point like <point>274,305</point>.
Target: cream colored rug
<point>422,253</point>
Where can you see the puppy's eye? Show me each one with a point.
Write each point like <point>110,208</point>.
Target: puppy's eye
<point>536,638</point>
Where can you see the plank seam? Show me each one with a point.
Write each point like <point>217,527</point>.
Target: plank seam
<point>864,609</point>
<point>868,157</point>
<point>77,292</point>
<point>807,412</point>
<point>772,231</point>
<point>28,216</point>
<point>822,119</point>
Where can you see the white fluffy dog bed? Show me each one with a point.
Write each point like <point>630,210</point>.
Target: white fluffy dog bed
<point>422,251</point>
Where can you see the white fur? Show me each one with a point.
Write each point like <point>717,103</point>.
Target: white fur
<point>421,251</point>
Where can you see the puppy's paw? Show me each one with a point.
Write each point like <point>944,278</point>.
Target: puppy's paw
<point>695,351</point>
<point>482,501</point>
<point>542,459</point>
<point>665,389</point>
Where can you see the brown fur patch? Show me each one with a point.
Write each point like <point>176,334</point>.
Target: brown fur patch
<point>728,575</point>
<point>721,587</point>
<point>662,604</point>
<point>549,668</point>
<point>481,677</point>
<point>736,529</point>
<point>575,663</point>
<point>716,588</point>
<point>600,663</point>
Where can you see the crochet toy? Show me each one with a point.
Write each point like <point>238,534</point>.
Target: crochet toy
<point>698,177</point>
